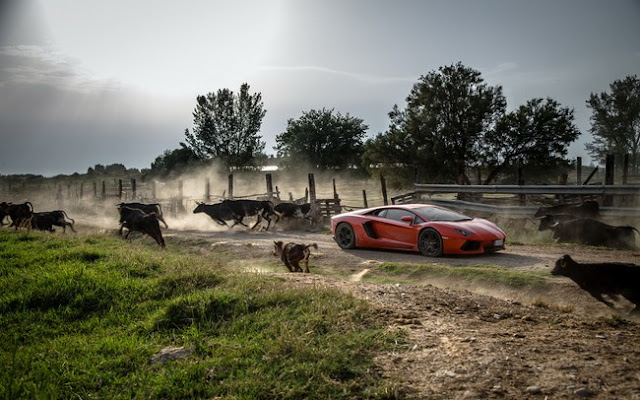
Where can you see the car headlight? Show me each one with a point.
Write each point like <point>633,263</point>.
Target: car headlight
<point>463,232</point>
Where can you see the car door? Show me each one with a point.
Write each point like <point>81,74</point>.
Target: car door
<point>393,232</point>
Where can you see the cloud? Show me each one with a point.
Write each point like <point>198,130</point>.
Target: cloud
<point>40,65</point>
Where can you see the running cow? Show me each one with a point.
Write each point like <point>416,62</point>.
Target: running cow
<point>590,232</point>
<point>47,220</point>
<point>20,214</point>
<point>154,208</point>
<point>612,279</point>
<point>136,220</point>
<point>308,211</point>
<point>263,209</point>
<point>218,212</point>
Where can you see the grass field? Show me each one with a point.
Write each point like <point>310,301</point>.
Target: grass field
<point>86,317</point>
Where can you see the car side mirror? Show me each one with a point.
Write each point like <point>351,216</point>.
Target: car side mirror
<point>407,218</point>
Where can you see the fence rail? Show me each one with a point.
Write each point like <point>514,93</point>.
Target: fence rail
<point>582,190</point>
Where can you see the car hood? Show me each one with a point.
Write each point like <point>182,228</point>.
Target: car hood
<point>477,226</point>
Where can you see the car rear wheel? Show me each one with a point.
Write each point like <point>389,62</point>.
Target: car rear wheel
<point>345,237</point>
<point>430,243</point>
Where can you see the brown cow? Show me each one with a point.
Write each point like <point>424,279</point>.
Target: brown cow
<point>136,220</point>
<point>292,254</point>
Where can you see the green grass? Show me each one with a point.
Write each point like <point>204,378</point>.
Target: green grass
<point>487,274</point>
<point>82,316</point>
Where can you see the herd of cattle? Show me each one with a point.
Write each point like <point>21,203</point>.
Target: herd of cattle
<point>580,223</point>
<point>146,218</point>
<point>570,223</point>
<point>22,216</point>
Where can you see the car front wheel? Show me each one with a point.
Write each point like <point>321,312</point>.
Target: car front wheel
<point>430,243</point>
<point>345,237</point>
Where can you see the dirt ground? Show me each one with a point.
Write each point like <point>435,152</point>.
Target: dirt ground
<point>468,341</point>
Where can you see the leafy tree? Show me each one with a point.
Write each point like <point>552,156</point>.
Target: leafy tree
<point>615,121</point>
<point>322,139</point>
<point>447,112</point>
<point>226,126</point>
<point>174,160</point>
<point>537,134</point>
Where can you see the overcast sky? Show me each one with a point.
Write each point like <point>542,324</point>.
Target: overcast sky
<point>103,82</point>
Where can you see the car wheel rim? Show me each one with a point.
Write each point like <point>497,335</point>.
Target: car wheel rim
<point>344,237</point>
<point>430,243</point>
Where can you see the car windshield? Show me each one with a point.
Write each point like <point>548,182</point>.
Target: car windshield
<point>441,214</point>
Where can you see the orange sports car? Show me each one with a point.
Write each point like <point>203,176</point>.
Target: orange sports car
<point>430,230</point>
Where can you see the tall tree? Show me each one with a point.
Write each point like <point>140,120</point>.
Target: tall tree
<point>537,134</point>
<point>448,110</point>
<point>323,139</point>
<point>615,121</point>
<point>226,126</point>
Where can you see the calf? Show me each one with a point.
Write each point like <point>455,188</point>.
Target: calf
<point>46,220</point>
<point>249,208</point>
<point>613,279</point>
<point>292,254</point>
<point>586,209</point>
<point>218,212</point>
<point>136,220</point>
<point>147,209</point>
<point>20,214</point>
<point>591,232</point>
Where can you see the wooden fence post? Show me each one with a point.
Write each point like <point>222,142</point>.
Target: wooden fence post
<point>383,184</point>
<point>523,197</point>
<point>312,188</point>
<point>207,190</point>
<point>120,189</point>
<point>364,199</point>
<point>579,171</point>
<point>625,169</point>
<point>104,189</point>
<point>269,186</point>
<point>230,178</point>
<point>179,208</point>
<point>335,192</point>
<point>133,188</point>
<point>609,178</point>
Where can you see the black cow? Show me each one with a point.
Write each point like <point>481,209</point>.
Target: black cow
<point>47,220</point>
<point>591,232</point>
<point>20,214</point>
<point>548,221</point>
<point>145,208</point>
<point>136,220</point>
<point>218,212</point>
<point>307,211</point>
<point>586,209</point>
<point>4,211</point>
<point>613,279</point>
<point>249,208</point>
